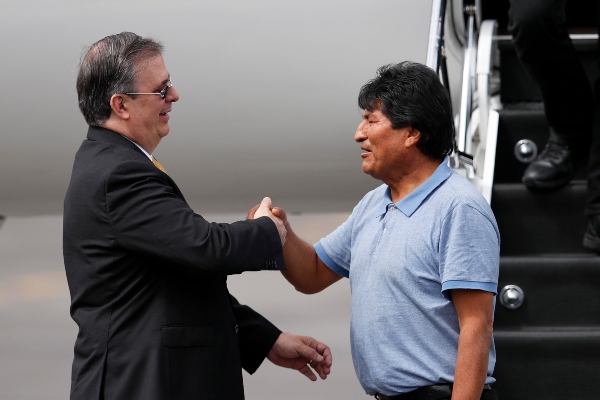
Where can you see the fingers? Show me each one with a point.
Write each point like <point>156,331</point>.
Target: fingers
<point>302,353</point>
<point>267,203</point>
<point>264,210</point>
<point>314,348</point>
<point>325,351</point>
<point>280,213</point>
<point>306,371</point>
<point>320,363</point>
<point>306,348</point>
<point>318,354</point>
<point>252,212</point>
<point>267,209</point>
<point>320,368</point>
<point>324,368</point>
<point>280,229</point>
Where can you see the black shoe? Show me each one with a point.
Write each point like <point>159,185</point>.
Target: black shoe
<point>591,238</point>
<point>551,169</point>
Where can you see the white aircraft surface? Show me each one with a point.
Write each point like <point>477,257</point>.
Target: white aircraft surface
<point>268,108</point>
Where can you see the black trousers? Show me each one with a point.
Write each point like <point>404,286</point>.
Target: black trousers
<point>542,42</point>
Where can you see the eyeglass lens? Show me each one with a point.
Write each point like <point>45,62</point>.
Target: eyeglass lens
<point>163,92</point>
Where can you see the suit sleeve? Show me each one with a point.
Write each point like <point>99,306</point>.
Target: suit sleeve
<point>256,335</point>
<point>149,216</point>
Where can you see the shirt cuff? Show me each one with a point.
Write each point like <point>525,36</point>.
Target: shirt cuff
<point>485,286</point>
<point>329,262</point>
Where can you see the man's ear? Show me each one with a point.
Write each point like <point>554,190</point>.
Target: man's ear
<point>119,105</point>
<point>412,136</point>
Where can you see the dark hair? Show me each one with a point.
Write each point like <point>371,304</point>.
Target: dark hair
<point>411,94</point>
<point>108,67</point>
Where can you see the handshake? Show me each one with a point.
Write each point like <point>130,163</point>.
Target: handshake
<point>265,209</point>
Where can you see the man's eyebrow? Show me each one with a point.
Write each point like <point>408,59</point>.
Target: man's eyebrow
<point>163,83</point>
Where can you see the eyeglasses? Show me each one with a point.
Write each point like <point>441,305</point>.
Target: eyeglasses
<point>162,93</point>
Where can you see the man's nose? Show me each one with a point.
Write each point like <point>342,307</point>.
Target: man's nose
<point>360,134</point>
<point>172,94</point>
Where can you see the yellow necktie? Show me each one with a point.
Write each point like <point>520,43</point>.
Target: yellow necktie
<point>157,165</point>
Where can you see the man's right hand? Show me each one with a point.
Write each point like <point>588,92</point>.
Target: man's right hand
<point>280,213</point>
<point>264,210</point>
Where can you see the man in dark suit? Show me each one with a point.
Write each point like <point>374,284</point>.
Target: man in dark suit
<point>147,275</point>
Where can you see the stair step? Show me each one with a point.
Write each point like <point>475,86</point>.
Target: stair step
<point>533,222</point>
<point>578,13</point>
<point>560,290</point>
<point>547,364</point>
<point>513,126</point>
<point>517,124</point>
<point>549,347</point>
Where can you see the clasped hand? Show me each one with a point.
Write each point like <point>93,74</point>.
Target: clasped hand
<point>264,209</point>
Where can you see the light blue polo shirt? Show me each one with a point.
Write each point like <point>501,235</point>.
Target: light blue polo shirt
<point>401,260</point>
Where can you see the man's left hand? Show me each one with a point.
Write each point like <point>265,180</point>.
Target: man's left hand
<point>301,353</point>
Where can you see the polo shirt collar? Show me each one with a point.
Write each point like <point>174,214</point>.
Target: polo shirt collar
<point>410,203</point>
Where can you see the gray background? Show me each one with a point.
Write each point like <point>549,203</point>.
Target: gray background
<point>268,94</point>
<point>268,107</point>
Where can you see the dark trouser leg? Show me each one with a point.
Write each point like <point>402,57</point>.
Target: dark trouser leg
<point>591,238</point>
<point>593,175</point>
<point>543,45</point>
<point>593,199</point>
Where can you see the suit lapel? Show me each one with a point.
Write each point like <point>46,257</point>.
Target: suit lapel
<point>127,148</point>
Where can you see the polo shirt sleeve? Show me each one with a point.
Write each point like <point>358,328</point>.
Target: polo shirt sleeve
<point>335,249</point>
<point>469,249</point>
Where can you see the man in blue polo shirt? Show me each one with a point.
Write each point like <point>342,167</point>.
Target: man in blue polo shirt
<point>421,251</point>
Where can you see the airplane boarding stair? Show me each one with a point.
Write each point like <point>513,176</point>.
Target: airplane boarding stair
<point>547,318</point>
<point>549,347</point>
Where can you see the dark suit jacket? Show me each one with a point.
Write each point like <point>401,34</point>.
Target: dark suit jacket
<point>147,278</point>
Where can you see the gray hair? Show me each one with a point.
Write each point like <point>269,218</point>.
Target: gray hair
<point>109,67</point>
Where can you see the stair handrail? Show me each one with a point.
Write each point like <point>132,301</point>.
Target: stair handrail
<point>436,60</point>
<point>485,65</point>
<point>488,117</point>
<point>477,67</point>
<point>436,34</point>
<point>468,74</point>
